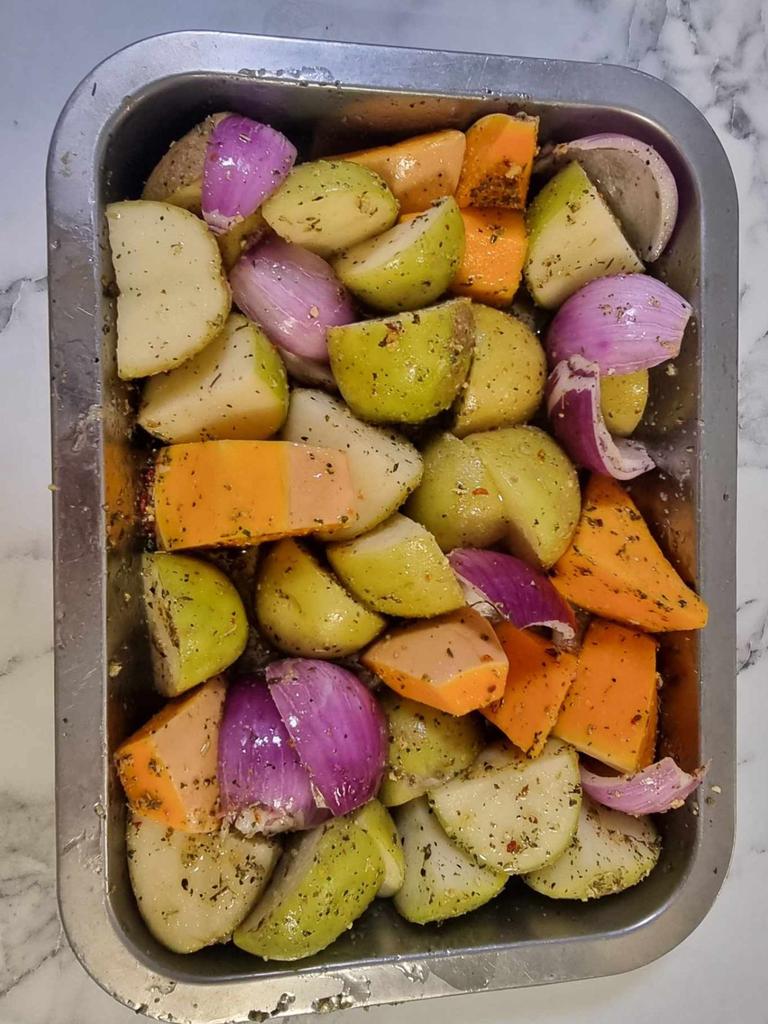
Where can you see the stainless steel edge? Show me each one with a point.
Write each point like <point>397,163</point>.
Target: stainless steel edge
<point>75,234</point>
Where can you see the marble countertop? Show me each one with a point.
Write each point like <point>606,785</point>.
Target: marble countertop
<point>714,51</point>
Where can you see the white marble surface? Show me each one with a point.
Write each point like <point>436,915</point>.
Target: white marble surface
<point>715,52</point>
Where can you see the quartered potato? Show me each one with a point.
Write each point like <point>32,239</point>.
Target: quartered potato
<point>325,880</point>
<point>457,500</point>
<point>178,177</point>
<point>610,852</point>
<point>441,880</point>
<point>398,569</point>
<point>235,388</point>
<point>303,609</point>
<point>376,820</point>
<point>384,467</point>
<point>623,397</point>
<point>194,890</point>
<point>511,812</point>
<point>197,622</point>
<point>426,747</point>
<point>539,490</point>
<point>173,297</point>
<point>328,205</point>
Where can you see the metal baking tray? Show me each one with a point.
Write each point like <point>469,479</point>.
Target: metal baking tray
<point>328,97</point>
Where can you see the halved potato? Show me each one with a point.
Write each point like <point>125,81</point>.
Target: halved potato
<point>441,880</point>
<point>194,890</point>
<point>174,298</point>
<point>610,852</point>
<point>384,467</point>
<point>236,387</point>
<point>398,569</point>
<point>512,812</point>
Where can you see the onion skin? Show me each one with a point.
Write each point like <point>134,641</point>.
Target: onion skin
<point>293,294</point>
<point>261,779</point>
<point>245,162</point>
<point>336,727</point>
<point>513,590</point>
<point>623,323</point>
<point>661,787</point>
<point>573,407</point>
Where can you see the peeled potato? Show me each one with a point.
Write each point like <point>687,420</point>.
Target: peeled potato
<point>174,298</point>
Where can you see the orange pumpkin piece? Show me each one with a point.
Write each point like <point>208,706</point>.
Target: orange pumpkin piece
<point>498,161</point>
<point>168,767</point>
<point>418,170</point>
<point>615,568</point>
<point>495,244</point>
<point>537,681</point>
<point>611,710</point>
<point>238,493</point>
<point>453,662</point>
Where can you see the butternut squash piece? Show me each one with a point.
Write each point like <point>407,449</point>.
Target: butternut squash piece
<point>616,569</point>
<point>453,662</point>
<point>168,767</point>
<point>495,244</point>
<point>418,170</point>
<point>498,161</point>
<point>611,709</point>
<point>238,493</point>
<point>538,679</point>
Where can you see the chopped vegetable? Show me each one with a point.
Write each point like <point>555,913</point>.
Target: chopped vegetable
<point>336,727</point>
<point>660,787</point>
<point>538,679</point>
<point>408,266</point>
<point>178,177</point>
<point>397,569</point>
<point>293,294</point>
<point>303,609</point>
<point>623,323</point>
<point>495,244</point>
<point>194,890</point>
<point>611,710</point>
<point>168,767</point>
<point>506,380</point>
<point>633,178</point>
<point>324,881</point>
<point>418,170</point>
<point>453,662</point>
<point>235,388</point>
<point>616,569</point>
<point>264,786</point>
<point>511,812</point>
<point>610,853</point>
<point>384,467</point>
<point>572,238</point>
<point>441,880</point>
<point>196,620</point>
<point>623,397</point>
<point>245,161</point>
<point>498,161</point>
<point>573,407</point>
<point>404,368</point>
<point>238,493</point>
<point>502,586</point>
<point>377,822</point>
<point>426,747</point>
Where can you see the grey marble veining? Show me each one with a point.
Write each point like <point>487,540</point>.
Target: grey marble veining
<point>714,51</point>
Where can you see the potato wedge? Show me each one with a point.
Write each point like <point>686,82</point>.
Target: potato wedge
<point>178,177</point>
<point>377,822</point>
<point>194,890</point>
<point>623,397</point>
<point>174,298</point>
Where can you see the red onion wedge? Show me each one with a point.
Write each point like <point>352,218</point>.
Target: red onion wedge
<point>623,323</point>
<point>634,179</point>
<point>573,407</point>
<point>661,787</point>
<point>336,726</point>
<point>245,162</point>
<point>500,585</point>
<point>293,294</point>
<point>262,783</point>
